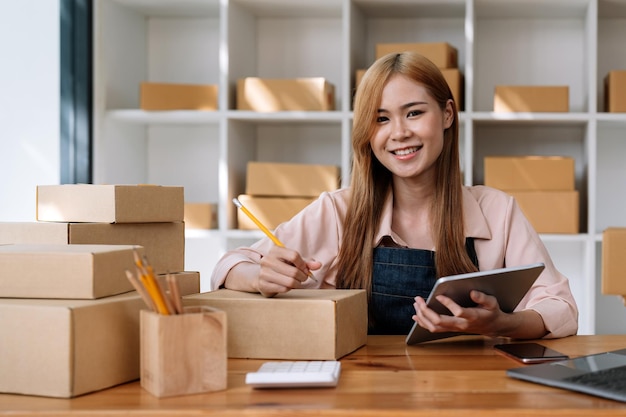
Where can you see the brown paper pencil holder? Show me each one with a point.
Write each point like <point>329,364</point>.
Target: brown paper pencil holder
<point>184,353</point>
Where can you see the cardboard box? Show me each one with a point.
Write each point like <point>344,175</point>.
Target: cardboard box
<point>163,243</point>
<point>66,348</point>
<point>614,261</point>
<point>271,211</point>
<point>188,281</point>
<point>298,94</point>
<point>168,96</point>
<point>531,99</point>
<point>528,173</point>
<point>615,92</point>
<point>455,81</point>
<point>200,216</point>
<point>109,203</point>
<point>290,180</point>
<point>441,54</point>
<point>550,211</point>
<point>298,325</point>
<point>65,271</point>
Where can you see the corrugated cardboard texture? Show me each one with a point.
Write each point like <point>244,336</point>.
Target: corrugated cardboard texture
<point>270,179</point>
<point>271,211</point>
<point>109,203</point>
<point>531,99</point>
<point>163,243</point>
<point>441,54</point>
<point>530,173</point>
<point>298,325</point>
<point>65,271</point>
<point>550,211</point>
<point>167,96</point>
<point>65,348</point>
<point>614,261</point>
<point>298,94</point>
<point>615,92</point>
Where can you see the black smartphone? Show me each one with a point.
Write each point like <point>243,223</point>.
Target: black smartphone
<point>530,352</point>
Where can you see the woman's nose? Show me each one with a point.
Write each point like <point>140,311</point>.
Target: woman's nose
<point>399,130</point>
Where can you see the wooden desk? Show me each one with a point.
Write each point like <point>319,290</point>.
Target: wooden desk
<point>459,376</point>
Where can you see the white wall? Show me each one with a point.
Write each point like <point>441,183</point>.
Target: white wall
<point>29,104</point>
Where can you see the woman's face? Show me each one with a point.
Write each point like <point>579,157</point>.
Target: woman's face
<point>409,129</point>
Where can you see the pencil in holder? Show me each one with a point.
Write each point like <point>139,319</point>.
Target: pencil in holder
<point>185,353</point>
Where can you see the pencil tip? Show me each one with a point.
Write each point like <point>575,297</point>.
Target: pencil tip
<point>237,202</point>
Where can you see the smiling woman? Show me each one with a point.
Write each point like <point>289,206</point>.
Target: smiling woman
<point>76,85</point>
<point>405,220</point>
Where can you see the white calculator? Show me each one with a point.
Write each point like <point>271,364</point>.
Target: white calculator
<point>295,374</point>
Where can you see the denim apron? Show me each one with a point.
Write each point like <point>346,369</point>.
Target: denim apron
<point>399,275</point>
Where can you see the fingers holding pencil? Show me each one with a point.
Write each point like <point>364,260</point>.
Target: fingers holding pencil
<point>295,260</point>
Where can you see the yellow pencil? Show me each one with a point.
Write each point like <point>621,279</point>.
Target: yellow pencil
<point>264,229</point>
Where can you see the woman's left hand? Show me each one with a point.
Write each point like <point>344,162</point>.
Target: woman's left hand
<point>485,318</point>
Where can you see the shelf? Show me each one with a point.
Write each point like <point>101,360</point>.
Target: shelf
<point>499,42</point>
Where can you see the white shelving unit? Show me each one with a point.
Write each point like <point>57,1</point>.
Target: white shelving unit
<point>542,42</point>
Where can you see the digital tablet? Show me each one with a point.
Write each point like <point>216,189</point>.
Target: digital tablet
<point>508,285</point>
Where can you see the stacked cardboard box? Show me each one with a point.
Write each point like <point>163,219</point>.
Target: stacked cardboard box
<point>275,192</point>
<point>442,54</point>
<point>543,187</point>
<point>65,299</point>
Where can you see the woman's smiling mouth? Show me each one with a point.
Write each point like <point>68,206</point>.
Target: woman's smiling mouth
<point>407,151</point>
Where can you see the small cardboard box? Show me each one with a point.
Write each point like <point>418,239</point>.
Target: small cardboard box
<point>188,281</point>
<point>163,243</point>
<point>298,94</point>
<point>550,211</point>
<point>65,271</point>
<point>92,203</point>
<point>441,54</point>
<point>299,325</point>
<point>530,173</point>
<point>183,354</point>
<point>200,216</point>
<point>66,348</point>
<point>290,180</point>
<point>614,261</point>
<point>168,96</point>
<point>508,98</point>
<point>615,92</point>
<point>271,211</point>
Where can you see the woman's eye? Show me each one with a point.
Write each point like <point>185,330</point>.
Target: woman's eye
<point>381,119</point>
<point>414,113</point>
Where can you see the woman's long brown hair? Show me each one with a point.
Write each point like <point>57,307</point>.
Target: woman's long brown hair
<point>371,181</point>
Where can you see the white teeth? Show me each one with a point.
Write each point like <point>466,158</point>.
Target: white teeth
<point>406,151</point>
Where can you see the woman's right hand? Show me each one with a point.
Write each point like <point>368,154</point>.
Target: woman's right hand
<point>283,269</point>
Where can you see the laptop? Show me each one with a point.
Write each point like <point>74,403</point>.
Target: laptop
<point>509,285</point>
<point>602,374</point>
